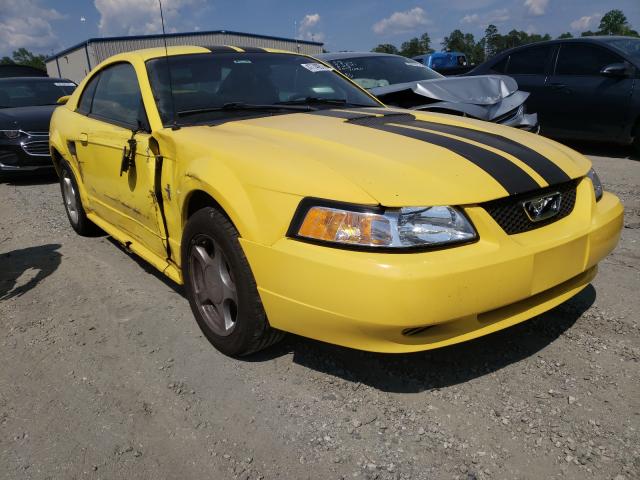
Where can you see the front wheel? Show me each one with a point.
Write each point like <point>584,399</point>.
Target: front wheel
<point>220,286</point>
<point>73,203</point>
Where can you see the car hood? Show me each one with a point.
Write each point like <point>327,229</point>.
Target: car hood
<point>478,90</point>
<point>347,156</point>
<point>29,119</point>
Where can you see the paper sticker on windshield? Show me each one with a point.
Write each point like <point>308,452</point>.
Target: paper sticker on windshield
<point>64,84</point>
<point>316,67</point>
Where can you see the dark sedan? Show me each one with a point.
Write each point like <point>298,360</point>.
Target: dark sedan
<point>585,88</point>
<point>26,105</point>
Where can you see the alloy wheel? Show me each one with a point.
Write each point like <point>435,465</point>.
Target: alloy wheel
<point>70,198</point>
<point>215,291</point>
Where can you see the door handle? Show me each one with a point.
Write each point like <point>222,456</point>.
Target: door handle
<point>557,86</point>
<point>84,138</point>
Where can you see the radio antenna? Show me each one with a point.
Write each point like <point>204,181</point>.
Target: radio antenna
<point>174,122</point>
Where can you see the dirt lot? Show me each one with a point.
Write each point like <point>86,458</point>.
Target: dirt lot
<point>104,374</point>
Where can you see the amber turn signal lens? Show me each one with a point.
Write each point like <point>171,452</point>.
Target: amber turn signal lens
<point>355,228</point>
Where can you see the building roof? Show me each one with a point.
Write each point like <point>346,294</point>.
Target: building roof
<point>173,35</point>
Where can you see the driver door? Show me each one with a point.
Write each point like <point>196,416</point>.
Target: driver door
<point>583,102</point>
<point>116,124</point>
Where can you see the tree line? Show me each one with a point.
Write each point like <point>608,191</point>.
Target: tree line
<point>22,56</point>
<point>613,22</point>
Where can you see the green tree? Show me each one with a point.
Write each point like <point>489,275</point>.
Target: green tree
<point>386,48</point>
<point>6,61</point>
<point>614,22</point>
<point>22,56</point>
<point>491,41</point>
<point>457,41</point>
<point>565,35</point>
<point>416,46</point>
<point>425,41</point>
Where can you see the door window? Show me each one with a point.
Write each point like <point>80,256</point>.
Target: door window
<point>84,105</point>
<point>577,59</point>
<point>501,66</point>
<point>117,98</point>
<point>530,61</point>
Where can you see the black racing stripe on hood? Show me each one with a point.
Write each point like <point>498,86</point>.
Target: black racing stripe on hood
<point>512,178</point>
<point>544,167</point>
<point>351,115</point>
<point>221,49</point>
<point>253,49</point>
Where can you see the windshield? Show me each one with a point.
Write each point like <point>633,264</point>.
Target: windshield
<point>29,93</point>
<point>380,71</point>
<point>205,83</point>
<point>630,46</point>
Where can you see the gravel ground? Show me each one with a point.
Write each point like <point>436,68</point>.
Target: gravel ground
<point>106,375</point>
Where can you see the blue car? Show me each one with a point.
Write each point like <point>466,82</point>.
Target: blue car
<point>447,63</point>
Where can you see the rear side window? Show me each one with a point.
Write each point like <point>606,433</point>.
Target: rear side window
<point>531,61</point>
<point>576,59</point>
<point>117,98</point>
<point>84,105</point>
<point>501,66</point>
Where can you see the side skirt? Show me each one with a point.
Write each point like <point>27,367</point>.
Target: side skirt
<point>161,264</point>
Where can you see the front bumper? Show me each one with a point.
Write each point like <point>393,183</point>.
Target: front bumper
<point>28,153</point>
<point>409,302</point>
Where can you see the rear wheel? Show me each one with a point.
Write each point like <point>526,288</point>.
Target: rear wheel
<point>73,204</point>
<point>220,286</point>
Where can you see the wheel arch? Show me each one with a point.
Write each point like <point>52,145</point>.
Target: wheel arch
<point>56,159</point>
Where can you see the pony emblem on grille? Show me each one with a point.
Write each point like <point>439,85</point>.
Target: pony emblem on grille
<point>543,208</point>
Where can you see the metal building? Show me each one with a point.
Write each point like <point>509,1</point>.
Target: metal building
<point>75,62</point>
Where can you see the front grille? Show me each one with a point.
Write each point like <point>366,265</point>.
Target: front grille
<point>37,148</point>
<point>510,214</point>
<point>8,158</point>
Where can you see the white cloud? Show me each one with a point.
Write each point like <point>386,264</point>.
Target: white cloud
<point>308,28</point>
<point>402,22</point>
<point>31,30</point>
<point>536,7</point>
<point>586,22</point>
<point>142,17</point>
<point>496,16</point>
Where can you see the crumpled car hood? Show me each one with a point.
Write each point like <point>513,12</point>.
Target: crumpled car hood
<point>477,90</point>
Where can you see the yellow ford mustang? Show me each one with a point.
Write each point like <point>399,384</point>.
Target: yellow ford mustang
<point>285,198</point>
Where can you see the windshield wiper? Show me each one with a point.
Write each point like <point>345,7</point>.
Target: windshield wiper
<point>239,106</point>
<point>341,102</point>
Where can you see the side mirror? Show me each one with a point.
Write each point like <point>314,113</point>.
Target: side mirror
<point>63,100</point>
<point>617,70</point>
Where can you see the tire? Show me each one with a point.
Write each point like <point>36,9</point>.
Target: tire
<point>73,204</point>
<point>220,286</point>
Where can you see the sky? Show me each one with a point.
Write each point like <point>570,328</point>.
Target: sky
<point>47,26</point>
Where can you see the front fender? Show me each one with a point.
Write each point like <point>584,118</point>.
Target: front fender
<point>259,215</point>
<point>59,130</point>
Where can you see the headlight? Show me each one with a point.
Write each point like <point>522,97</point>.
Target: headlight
<point>377,228</point>
<point>10,133</point>
<point>597,184</point>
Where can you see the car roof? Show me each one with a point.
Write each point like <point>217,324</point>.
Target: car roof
<point>157,52</point>
<point>36,79</point>
<point>343,55</point>
<point>597,39</point>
